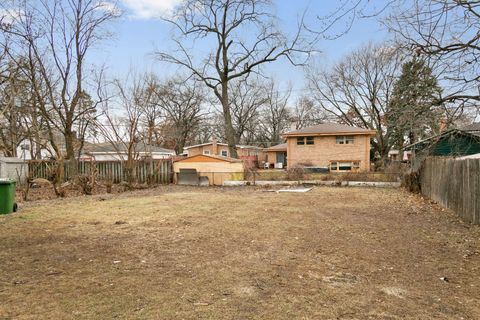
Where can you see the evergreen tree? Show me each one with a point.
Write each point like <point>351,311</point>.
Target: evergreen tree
<point>414,111</point>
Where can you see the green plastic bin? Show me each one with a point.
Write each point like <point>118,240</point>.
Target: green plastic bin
<point>7,196</point>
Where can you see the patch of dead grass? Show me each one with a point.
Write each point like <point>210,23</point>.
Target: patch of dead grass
<point>215,253</point>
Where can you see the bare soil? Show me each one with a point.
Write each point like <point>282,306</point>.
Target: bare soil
<point>240,253</point>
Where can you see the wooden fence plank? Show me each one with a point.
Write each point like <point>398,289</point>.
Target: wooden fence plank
<point>455,184</point>
<point>158,170</point>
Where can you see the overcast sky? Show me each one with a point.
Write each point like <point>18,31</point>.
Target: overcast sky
<point>140,32</point>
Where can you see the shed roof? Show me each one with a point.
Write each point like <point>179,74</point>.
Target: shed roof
<point>328,129</point>
<point>209,158</point>
<point>472,156</point>
<point>473,128</point>
<point>472,133</point>
<point>278,147</point>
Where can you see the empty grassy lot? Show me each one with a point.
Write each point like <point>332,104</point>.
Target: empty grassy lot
<point>193,253</point>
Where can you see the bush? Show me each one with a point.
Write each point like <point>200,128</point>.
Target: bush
<point>295,172</point>
<point>411,182</point>
<point>85,182</point>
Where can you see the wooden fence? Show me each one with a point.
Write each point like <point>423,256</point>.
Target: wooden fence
<point>454,184</point>
<point>156,171</point>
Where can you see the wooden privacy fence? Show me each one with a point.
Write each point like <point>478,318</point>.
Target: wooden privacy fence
<point>156,171</point>
<point>454,184</point>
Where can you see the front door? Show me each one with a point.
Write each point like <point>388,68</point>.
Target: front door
<point>282,158</point>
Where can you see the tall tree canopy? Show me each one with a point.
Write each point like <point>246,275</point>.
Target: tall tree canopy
<point>414,108</point>
<point>243,36</point>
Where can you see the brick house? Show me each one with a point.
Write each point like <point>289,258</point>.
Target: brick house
<point>334,146</point>
<point>248,153</point>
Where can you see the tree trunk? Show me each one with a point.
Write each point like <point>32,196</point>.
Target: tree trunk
<point>69,144</point>
<point>229,130</point>
<point>70,153</point>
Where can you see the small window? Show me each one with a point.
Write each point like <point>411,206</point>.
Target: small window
<point>310,140</point>
<point>224,153</point>
<point>333,166</point>
<point>344,166</point>
<point>340,166</point>
<point>344,139</point>
<point>206,152</point>
<point>300,140</point>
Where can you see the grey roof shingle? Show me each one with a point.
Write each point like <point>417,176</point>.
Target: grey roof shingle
<point>329,128</point>
<point>278,147</point>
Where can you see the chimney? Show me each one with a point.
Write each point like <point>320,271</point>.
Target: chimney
<point>214,146</point>
<point>293,125</point>
<point>443,125</point>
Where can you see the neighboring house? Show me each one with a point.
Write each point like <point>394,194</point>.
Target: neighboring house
<point>117,151</point>
<point>13,168</point>
<point>26,148</point>
<point>249,153</point>
<point>394,155</point>
<point>277,156</point>
<point>331,146</point>
<point>450,143</point>
<point>212,169</point>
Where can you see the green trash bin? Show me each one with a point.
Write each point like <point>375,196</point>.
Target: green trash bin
<point>7,196</point>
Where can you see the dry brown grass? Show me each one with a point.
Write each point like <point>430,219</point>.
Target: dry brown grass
<point>214,253</point>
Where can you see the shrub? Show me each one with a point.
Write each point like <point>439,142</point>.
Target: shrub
<point>295,172</point>
<point>85,182</point>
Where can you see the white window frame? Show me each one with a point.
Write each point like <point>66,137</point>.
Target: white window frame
<point>345,139</point>
<point>354,165</point>
<point>224,155</point>
<point>206,152</point>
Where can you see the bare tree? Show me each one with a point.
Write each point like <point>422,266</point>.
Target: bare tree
<point>56,36</point>
<point>446,33</point>
<point>244,37</point>
<point>181,102</point>
<point>120,120</point>
<point>275,116</point>
<point>13,86</point>
<point>358,89</point>
<point>307,113</point>
<point>247,99</point>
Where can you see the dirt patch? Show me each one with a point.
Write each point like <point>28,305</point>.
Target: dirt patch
<point>239,253</point>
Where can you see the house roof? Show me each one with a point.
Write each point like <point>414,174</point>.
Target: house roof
<point>472,156</point>
<point>11,160</point>
<point>208,158</point>
<point>239,146</point>
<point>109,147</point>
<point>328,129</point>
<point>472,133</point>
<point>473,128</point>
<point>205,144</point>
<point>278,147</point>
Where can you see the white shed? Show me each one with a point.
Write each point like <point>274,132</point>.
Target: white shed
<point>13,168</point>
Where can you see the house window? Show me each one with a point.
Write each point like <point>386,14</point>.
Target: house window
<point>343,166</point>
<point>344,139</point>
<point>305,140</point>
<point>206,152</point>
<point>224,153</point>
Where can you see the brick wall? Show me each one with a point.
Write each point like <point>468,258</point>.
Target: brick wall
<point>325,149</point>
<point>211,148</point>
